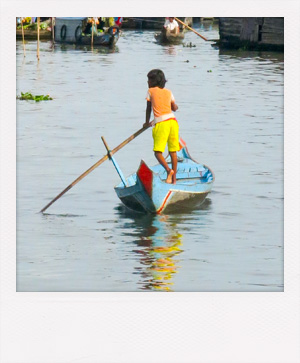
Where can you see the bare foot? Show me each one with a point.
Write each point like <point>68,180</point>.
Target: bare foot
<point>170,176</point>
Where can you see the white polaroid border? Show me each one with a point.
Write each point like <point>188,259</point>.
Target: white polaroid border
<point>150,327</point>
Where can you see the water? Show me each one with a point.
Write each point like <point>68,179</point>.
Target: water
<point>231,116</point>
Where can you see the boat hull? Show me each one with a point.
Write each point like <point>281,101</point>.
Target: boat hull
<point>135,198</point>
<point>180,200</point>
<point>146,190</point>
<point>105,40</point>
<point>30,34</point>
<point>165,37</point>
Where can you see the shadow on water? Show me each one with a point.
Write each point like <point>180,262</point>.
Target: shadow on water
<point>158,244</point>
<point>262,55</point>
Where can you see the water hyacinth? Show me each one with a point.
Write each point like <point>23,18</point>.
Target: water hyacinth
<point>38,98</point>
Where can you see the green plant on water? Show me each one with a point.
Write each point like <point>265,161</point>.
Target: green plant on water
<point>37,98</point>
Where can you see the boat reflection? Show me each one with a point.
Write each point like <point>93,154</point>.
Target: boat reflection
<point>159,258</point>
<point>158,244</point>
<point>170,49</point>
<point>64,47</point>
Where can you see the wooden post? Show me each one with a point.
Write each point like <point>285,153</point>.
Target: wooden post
<point>52,28</point>
<point>38,38</point>
<point>23,37</point>
<point>92,28</point>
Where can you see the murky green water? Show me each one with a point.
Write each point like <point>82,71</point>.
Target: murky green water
<point>231,116</point>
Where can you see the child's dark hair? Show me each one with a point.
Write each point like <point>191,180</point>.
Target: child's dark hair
<point>156,78</point>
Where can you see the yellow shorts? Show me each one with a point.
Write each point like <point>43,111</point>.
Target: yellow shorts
<point>166,132</point>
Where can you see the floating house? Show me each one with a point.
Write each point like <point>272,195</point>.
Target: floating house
<point>252,33</point>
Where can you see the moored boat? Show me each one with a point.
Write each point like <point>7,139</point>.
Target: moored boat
<point>31,34</point>
<point>71,30</point>
<point>146,190</point>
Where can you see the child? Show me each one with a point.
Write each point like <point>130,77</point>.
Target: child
<point>171,25</point>
<point>166,129</point>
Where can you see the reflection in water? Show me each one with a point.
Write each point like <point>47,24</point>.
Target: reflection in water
<point>160,256</point>
<point>159,243</point>
<point>276,57</point>
<point>170,49</point>
<point>87,48</point>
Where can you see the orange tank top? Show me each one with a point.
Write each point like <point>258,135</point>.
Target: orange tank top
<point>160,99</point>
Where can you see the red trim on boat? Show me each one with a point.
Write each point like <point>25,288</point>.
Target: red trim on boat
<point>145,175</point>
<point>164,202</point>
<point>182,143</point>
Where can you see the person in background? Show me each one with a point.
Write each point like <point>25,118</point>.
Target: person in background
<point>95,23</point>
<point>171,25</point>
<point>108,22</point>
<point>91,25</point>
<point>118,21</point>
<point>101,25</point>
<point>166,129</point>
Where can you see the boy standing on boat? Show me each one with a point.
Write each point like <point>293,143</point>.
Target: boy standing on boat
<point>166,129</point>
<point>171,25</point>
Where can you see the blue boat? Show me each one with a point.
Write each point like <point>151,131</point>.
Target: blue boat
<point>146,190</point>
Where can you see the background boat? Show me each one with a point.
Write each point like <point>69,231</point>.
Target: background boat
<point>165,37</point>
<point>31,34</point>
<point>30,29</point>
<point>72,30</point>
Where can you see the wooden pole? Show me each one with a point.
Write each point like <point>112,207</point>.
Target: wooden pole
<point>52,28</point>
<point>23,37</point>
<point>92,32</point>
<point>119,171</point>
<point>125,142</point>
<point>38,38</point>
<point>181,22</point>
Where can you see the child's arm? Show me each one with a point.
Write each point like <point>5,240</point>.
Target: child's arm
<point>174,107</point>
<point>148,114</point>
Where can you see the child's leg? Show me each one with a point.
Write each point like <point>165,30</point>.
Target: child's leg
<point>173,146</point>
<point>173,155</point>
<point>159,156</point>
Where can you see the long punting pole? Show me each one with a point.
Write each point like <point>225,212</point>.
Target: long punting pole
<point>181,22</point>
<point>125,142</point>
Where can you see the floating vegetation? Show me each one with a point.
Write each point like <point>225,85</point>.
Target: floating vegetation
<point>38,98</point>
<point>189,45</point>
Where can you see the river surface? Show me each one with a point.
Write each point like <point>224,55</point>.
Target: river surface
<point>232,119</point>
